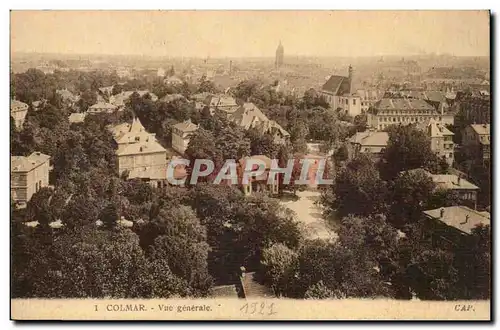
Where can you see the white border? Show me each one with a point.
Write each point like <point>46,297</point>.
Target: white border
<point>186,4</point>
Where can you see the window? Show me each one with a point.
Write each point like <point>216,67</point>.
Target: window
<point>40,184</point>
<point>137,139</point>
<point>346,101</point>
<point>353,101</point>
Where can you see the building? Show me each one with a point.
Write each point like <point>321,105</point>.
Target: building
<point>450,226</point>
<point>441,139</point>
<point>18,111</point>
<point>102,107</point>
<point>369,142</point>
<point>249,116</point>
<point>476,141</point>
<point>181,134</point>
<point>395,111</point>
<point>368,98</point>
<point>139,154</point>
<point>280,56</point>
<point>28,175</point>
<point>222,102</point>
<point>77,117</point>
<point>339,92</point>
<point>466,191</point>
<point>258,183</point>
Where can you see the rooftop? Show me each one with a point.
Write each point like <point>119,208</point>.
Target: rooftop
<point>16,105</point>
<point>481,129</point>
<point>77,117</point>
<point>434,128</point>
<point>186,126</point>
<point>337,85</point>
<point>370,138</point>
<point>403,104</point>
<point>459,217</point>
<point>26,164</point>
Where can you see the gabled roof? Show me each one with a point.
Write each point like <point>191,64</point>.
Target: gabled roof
<point>452,181</point>
<point>26,164</point>
<point>247,115</point>
<point>337,85</point>
<point>77,117</point>
<point>402,104</point>
<point>434,128</point>
<point>127,133</point>
<point>186,126</point>
<point>369,138</point>
<point>16,105</point>
<point>145,147</point>
<point>459,217</point>
<point>481,129</point>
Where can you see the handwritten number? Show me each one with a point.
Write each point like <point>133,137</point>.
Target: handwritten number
<point>263,308</point>
<point>245,307</point>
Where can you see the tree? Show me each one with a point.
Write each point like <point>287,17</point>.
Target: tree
<point>181,241</point>
<point>410,194</point>
<point>408,148</point>
<point>357,190</point>
<point>202,146</point>
<point>87,99</point>
<point>279,265</point>
<point>232,143</point>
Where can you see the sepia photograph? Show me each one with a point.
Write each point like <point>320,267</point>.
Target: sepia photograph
<point>250,165</point>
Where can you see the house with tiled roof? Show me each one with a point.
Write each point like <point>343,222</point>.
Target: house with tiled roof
<point>441,139</point>
<point>249,116</point>
<point>257,183</point>
<point>181,135</point>
<point>28,175</point>
<point>222,102</point>
<point>476,141</point>
<point>369,142</point>
<point>339,92</point>
<point>465,190</point>
<point>18,111</point>
<point>404,111</point>
<point>449,226</point>
<point>139,153</point>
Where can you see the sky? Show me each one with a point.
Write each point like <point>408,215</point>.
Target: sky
<point>251,33</point>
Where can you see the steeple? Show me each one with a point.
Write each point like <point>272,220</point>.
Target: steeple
<point>280,52</point>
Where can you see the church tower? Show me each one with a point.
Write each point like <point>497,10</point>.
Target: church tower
<point>351,77</point>
<point>280,52</point>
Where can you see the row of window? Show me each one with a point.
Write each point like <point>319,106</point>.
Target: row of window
<point>406,112</point>
<point>406,119</point>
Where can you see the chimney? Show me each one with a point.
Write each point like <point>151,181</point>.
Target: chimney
<point>441,213</point>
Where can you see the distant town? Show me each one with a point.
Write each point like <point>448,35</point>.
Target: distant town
<point>406,141</point>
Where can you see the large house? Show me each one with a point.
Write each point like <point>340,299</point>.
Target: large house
<point>476,141</point>
<point>368,142</point>
<point>452,225</point>
<point>139,153</point>
<point>260,182</point>
<point>339,92</point>
<point>249,116</point>
<point>28,175</point>
<point>225,103</point>
<point>395,111</point>
<point>18,111</point>
<point>466,191</point>
<point>441,139</point>
<point>181,134</point>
